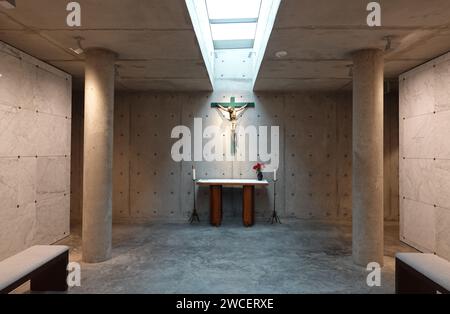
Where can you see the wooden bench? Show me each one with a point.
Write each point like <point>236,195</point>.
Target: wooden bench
<point>44,265</point>
<point>421,273</point>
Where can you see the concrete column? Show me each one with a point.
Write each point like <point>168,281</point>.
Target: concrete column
<point>367,194</point>
<point>98,155</point>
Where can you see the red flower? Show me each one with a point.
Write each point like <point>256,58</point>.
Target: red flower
<point>258,166</point>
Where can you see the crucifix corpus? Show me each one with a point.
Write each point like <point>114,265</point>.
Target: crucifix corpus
<point>231,112</point>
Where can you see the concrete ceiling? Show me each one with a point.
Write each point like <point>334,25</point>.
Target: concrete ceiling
<point>320,35</point>
<point>158,49</point>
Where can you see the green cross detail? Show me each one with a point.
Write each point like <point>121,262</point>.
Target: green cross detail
<point>233,104</point>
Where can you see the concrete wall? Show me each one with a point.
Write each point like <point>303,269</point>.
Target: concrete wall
<point>315,163</point>
<point>425,157</point>
<point>391,155</point>
<point>76,160</point>
<point>35,119</point>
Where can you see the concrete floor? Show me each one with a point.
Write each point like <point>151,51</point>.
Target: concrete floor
<point>295,257</point>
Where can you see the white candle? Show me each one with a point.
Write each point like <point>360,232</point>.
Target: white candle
<point>275,175</point>
<point>193,173</point>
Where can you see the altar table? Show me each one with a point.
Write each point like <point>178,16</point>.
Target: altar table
<point>248,198</point>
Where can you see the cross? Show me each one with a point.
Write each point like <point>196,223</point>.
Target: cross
<point>232,109</point>
<point>232,104</point>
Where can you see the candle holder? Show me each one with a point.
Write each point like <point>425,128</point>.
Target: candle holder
<point>194,215</point>
<point>275,218</point>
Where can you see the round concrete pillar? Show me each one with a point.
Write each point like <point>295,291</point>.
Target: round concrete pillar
<point>98,155</point>
<point>367,193</point>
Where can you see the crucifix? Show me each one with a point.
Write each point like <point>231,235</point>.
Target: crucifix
<point>231,112</point>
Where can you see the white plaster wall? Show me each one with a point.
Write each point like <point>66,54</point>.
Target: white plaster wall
<point>35,119</point>
<point>425,157</point>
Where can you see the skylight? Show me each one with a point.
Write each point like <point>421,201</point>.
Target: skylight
<point>233,36</point>
<point>233,22</point>
<point>233,9</point>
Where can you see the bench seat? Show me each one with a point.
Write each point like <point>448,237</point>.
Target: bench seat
<point>421,273</point>
<point>44,265</point>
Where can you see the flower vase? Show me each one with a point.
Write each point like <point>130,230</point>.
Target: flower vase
<point>260,176</point>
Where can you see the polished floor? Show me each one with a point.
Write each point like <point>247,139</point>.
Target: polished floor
<point>294,257</point>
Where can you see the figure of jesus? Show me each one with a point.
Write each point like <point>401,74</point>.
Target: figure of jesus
<point>232,114</point>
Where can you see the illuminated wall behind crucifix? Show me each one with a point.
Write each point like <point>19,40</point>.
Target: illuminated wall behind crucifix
<point>314,164</point>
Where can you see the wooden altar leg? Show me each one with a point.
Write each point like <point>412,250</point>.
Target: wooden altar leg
<point>248,205</point>
<point>215,200</point>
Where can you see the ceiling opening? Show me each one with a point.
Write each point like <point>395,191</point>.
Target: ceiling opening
<point>233,36</point>
<point>233,22</point>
